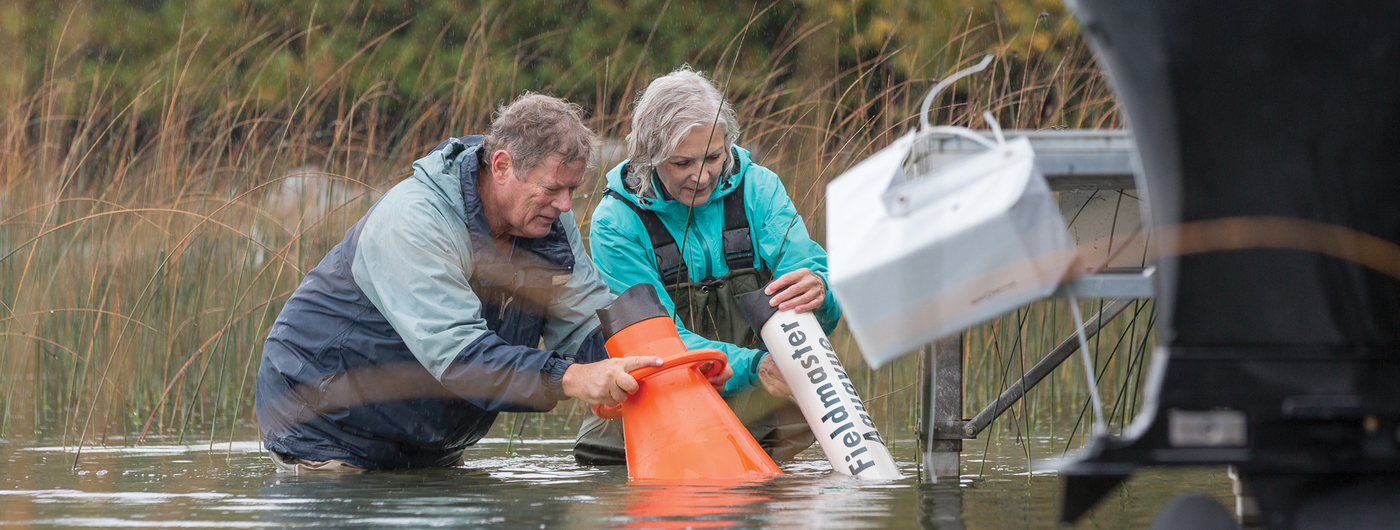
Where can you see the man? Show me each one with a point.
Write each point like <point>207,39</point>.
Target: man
<point>399,349</point>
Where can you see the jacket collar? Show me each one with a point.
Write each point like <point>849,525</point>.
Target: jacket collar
<point>533,262</point>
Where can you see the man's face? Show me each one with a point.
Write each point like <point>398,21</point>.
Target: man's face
<point>532,204</point>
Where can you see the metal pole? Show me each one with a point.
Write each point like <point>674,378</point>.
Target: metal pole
<point>942,402</point>
<point>1042,369</point>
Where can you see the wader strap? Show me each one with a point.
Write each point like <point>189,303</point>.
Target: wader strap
<point>668,254</point>
<point>738,245</point>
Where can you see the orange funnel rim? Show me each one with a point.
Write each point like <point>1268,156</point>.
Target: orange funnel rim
<point>685,360</point>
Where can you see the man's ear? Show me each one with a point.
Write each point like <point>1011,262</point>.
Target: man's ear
<point>502,166</point>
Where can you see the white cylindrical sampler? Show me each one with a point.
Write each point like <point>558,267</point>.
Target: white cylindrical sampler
<point>822,389</point>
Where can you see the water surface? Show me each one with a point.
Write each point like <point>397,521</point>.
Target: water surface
<point>535,483</point>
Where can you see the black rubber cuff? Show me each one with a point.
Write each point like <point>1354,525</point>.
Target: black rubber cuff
<point>639,302</point>
<point>554,377</point>
<point>756,309</point>
<point>757,360</point>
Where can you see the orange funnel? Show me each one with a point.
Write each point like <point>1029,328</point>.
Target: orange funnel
<point>676,427</point>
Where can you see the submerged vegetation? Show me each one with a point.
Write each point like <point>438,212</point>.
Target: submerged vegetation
<point>167,177</point>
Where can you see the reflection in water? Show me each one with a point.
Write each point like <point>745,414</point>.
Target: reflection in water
<point>834,501</point>
<point>411,498</point>
<point>695,505</point>
<point>940,506</point>
<point>536,484</point>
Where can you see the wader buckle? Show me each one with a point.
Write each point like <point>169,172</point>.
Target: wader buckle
<point>711,284</point>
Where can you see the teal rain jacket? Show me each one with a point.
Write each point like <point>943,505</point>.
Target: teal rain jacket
<point>623,251</point>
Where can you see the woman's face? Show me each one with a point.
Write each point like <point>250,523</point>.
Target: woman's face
<point>693,171</point>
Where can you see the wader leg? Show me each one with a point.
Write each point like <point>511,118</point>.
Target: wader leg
<point>776,423</point>
<point>300,466</point>
<point>599,442</point>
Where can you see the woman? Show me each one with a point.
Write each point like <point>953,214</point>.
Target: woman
<point>691,214</point>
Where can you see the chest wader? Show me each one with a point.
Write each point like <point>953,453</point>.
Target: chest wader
<point>710,308</point>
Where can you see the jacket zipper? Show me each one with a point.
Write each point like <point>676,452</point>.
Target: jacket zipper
<point>704,249</point>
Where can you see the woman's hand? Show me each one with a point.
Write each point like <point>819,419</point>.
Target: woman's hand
<point>771,378</point>
<point>718,380</point>
<point>800,291</point>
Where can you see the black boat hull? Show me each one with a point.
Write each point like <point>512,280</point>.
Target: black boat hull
<point>1269,143</point>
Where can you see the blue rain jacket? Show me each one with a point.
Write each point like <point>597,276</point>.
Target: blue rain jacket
<point>399,349</point>
<point>623,251</point>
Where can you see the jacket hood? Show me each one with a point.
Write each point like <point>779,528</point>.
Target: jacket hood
<point>656,201</point>
<point>433,170</point>
<point>548,255</point>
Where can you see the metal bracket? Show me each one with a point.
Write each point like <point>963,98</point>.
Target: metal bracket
<point>1071,160</point>
<point>1123,283</point>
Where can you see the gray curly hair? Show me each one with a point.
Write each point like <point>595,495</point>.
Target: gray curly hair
<point>666,111</point>
<point>534,126</point>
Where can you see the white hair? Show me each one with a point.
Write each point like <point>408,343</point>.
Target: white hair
<point>666,111</point>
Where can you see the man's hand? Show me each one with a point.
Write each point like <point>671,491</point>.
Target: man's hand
<point>772,378</point>
<point>605,382</point>
<point>800,290</point>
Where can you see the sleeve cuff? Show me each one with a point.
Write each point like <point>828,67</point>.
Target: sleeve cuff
<point>554,377</point>
<point>745,373</point>
<point>753,368</point>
